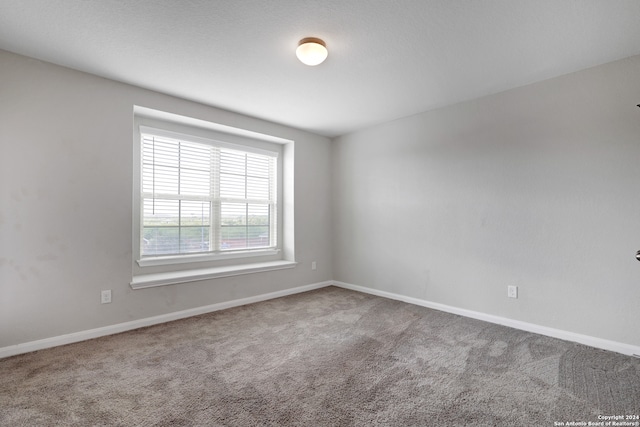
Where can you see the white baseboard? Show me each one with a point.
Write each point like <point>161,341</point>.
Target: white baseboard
<point>618,347</point>
<point>27,347</point>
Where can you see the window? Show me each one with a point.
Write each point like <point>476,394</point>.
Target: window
<point>209,200</point>
<point>203,197</point>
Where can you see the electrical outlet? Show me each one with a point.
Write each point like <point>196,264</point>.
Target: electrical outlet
<point>512,291</point>
<point>105,297</point>
<point>313,265</point>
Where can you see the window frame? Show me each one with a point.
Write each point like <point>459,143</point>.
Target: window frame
<point>216,254</point>
<point>161,270</point>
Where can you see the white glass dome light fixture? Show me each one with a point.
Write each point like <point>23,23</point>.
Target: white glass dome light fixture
<point>312,51</point>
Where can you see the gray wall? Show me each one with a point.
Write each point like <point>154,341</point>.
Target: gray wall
<point>66,204</point>
<point>537,187</point>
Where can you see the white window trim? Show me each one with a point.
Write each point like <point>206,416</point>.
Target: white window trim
<point>174,277</point>
<point>210,256</point>
<point>167,270</point>
<point>189,258</point>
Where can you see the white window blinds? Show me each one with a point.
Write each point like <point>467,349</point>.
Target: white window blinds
<point>205,197</point>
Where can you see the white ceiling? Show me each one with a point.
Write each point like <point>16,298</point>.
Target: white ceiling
<point>387,58</point>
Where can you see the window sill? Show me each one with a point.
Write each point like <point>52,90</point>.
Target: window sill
<point>183,259</point>
<point>174,277</point>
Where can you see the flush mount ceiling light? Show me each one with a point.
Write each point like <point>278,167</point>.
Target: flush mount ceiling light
<point>311,51</point>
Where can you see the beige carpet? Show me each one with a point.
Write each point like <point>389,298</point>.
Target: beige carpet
<point>322,358</point>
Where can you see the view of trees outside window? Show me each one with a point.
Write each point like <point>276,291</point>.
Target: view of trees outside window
<point>195,195</point>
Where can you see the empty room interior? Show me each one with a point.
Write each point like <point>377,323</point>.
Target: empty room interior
<point>320,212</point>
